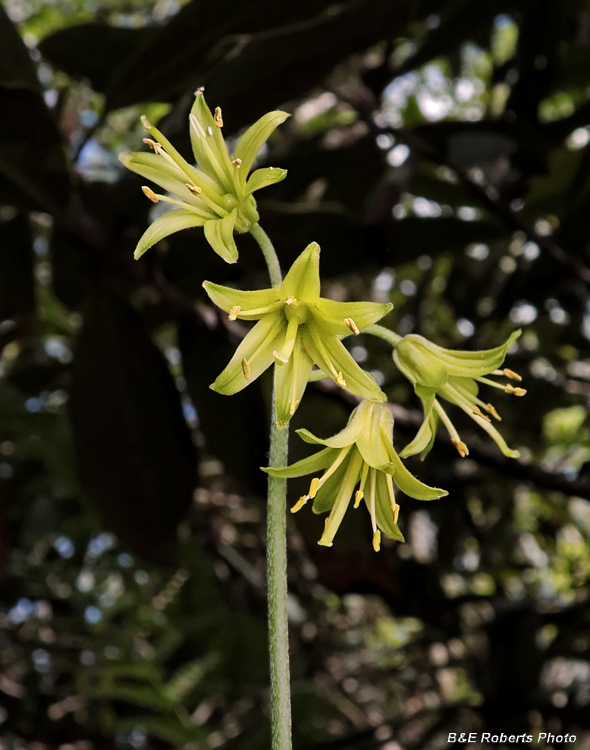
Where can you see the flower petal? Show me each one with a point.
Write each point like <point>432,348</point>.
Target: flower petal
<point>220,235</point>
<point>290,382</point>
<point>362,313</point>
<point>337,490</point>
<point>253,305</point>
<point>319,461</point>
<point>170,222</point>
<point>264,177</point>
<point>357,423</point>
<point>209,145</point>
<point>156,169</point>
<point>408,483</point>
<point>375,440</point>
<point>384,511</point>
<point>303,278</point>
<point>473,364</point>
<point>256,348</point>
<point>251,142</point>
<point>330,355</point>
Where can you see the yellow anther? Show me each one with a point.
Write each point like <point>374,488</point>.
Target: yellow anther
<point>352,325</point>
<point>494,413</point>
<point>340,380</point>
<point>461,447</point>
<point>479,413</point>
<point>300,503</point>
<point>511,374</point>
<point>218,117</point>
<point>237,163</point>
<point>395,513</point>
<point>515,391</point>
<point>146,123</point>
<point>280,359</point>
<point>149,193</point>
<point>246,368</point>
<point>234,312</point>
<point>195,189</point>
<point>377,541</point>
<point>152,144</point>
<point>291,300</point>
<point>293,407</point>
<point>313,487</point>
<point>358,497</point>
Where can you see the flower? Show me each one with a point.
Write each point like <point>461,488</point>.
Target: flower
<point>296,327</point>
<point>218,195</point>
<point>362,453</point>
<point>453,375</point>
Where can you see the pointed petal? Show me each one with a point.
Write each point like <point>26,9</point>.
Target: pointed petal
<point>336,492</point>
<point>384,511</point>
<point>170,222</point>
<point>253,305</point>
<point>256,348</point>
<point>425,436</point>
<point>357,423</point>
<point>494,434</point>
<point>330,355</point>
<point>303,279</point>
<point>264,177</point>
<point>319,461</point>
<point>155,168</point>
<point>375,441</point>
<point>290,382</point>
<point>408,483</point>
<point>475,364</point>
<point>209,146</point>
<point>251,142</point>
<point>362,313</point>
<point>415,357</point>
<point>220,235</point>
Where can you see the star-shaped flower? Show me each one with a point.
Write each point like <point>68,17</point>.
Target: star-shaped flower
<point>454,376</point>
<point>361,454</point>
<point>217,195</point>
<point>296,327</point>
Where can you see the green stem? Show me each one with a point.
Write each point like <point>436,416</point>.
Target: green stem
<point>270,255</point>
<point>276,555</point>
<point>383,333</point>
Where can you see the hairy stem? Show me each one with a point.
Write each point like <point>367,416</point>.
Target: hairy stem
<point>276,554</point>
<point>383,333</point>
<point>270,254</point>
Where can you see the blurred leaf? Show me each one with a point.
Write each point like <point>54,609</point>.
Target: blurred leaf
<point>16,66</point>
<point>191,674</point>
<point>17,282</point>
<point>136,456</point>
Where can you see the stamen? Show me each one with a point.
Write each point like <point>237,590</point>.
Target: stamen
<point>234,312</point>
<point>280,359</point>
<point>352,325</point>
<point>293,407</point>
<point>149,193</point>
<point>479,413</point>
<point>358,497</point>
<point>195,189</point>
<point>389,481</point>
<point>218,117</point>
<point>493,412</point>
<point>373,499</point>
<point>237,163</point>
<point>300,503</point>
<point>515,391</point>
<point>377,541</point>
<point>291,300</point>
<point>246,368</point>
<point>340,380</point>
<point>395,513</point>
<point>461,447</point>
<point>511,374</point>
<point>313,487</point>
<point>152,144</point>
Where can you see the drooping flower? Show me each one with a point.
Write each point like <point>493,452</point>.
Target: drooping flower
<point>296,327</point>
<point>361,454</point>
<point>217,195</point>
<point>454,376</point>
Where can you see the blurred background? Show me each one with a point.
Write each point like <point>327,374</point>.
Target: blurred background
<point>439,153</point>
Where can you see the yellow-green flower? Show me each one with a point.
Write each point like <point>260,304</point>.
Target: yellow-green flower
<point>296,327</point>
<point>217,195</point>
<point>361,454</point>
<point>454,376</point>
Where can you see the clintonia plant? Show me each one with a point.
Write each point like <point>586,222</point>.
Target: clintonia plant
<point>300,333</point>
